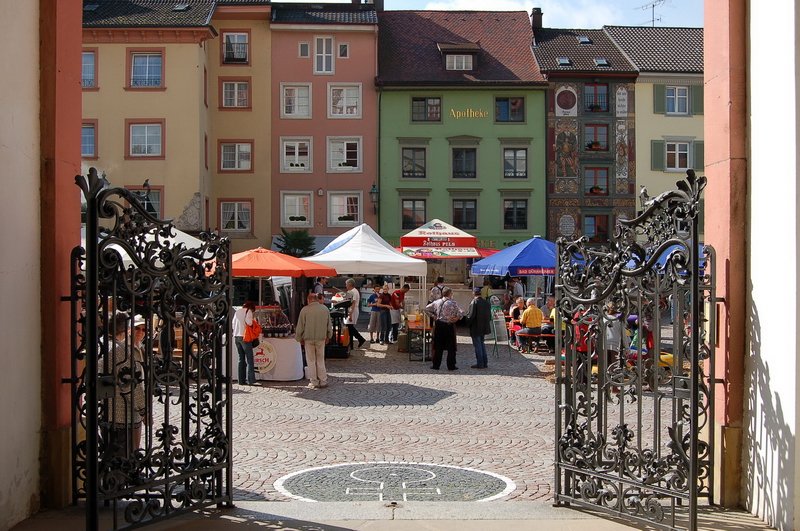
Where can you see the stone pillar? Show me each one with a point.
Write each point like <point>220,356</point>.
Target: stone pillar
<point>725,224</point>
<point>60,35</point>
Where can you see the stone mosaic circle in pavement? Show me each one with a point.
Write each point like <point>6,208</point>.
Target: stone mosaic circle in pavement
<point>387,482</point>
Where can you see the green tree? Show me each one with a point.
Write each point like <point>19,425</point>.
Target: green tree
<point>297,243</point>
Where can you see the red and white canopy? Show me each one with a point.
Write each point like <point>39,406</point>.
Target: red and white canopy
<point>437,239</point>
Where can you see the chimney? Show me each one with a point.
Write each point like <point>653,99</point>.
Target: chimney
<point>536,18</point>
<point>378,5</point>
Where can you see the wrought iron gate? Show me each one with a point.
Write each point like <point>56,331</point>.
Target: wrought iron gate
<point>151,395</point>
<point>634,400</point>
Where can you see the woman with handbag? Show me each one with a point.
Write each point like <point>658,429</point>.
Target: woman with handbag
<point>244,325</point>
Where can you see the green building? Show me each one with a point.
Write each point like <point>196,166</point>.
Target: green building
<point>462,125</point>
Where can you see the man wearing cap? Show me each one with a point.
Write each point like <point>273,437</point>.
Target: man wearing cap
<point>479,315</point>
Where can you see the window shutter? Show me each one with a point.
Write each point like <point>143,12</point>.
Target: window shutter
<point>699,163</point>
<point>697,99</point>
<point>659,99</point>
<point>657,155</point>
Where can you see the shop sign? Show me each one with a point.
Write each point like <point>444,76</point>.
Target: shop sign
<point>458,114</point>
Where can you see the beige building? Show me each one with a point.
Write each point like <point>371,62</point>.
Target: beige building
<point>178,97</point>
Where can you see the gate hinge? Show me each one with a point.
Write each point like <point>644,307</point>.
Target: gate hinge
<point>67,298</point>
<point>719,299</point>
<point>718,381</point>
<point>69,380</point>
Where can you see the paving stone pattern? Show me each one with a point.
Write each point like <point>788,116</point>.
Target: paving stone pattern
<point>395,482</point>
<point>381,407</point>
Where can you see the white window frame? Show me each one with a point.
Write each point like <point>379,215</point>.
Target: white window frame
<point>346,54</point>
<point>286,212</point>
<point>295,86</point>
<point>348,111</point>
<point>454,61</point>
<point>238,151</point>
<point>679,94</point>
<point>675,143</point>
<point>333,143</point>
<point>93,127</point>
<point>146,82</point>
<point>516,161</point>
<point>146,145</point>
<point>323,54</point>
<point>346,194</point>
<point>286,166</point>
<point>84,67</point>
<point>237,209</point>
<point>300,53</point>
<point>236,93</point>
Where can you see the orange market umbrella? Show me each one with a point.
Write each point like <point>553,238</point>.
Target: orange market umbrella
<point>262,262</point>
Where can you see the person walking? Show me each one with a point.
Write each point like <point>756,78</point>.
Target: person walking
<point>445,313</point>
<point>398,301</point>
<point>479,315</point>
<point>352,294</point>
<point>244,317</point>
<point>313,331</point>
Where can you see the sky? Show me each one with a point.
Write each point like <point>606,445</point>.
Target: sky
<point>585,14</point>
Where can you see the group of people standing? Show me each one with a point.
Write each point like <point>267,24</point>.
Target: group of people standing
<point>446,313</point>
<point>385,313</point>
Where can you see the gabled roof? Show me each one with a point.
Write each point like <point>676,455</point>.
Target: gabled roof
<point>411,46</point>
<point>146,13</point>
<point>550,44</point>
<point>652,49</point>
<point>324,14</point>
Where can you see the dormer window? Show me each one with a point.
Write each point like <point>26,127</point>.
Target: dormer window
<point>601,61</point>
<point>459,62</point>
<point>564,61</point>
<point>583,39</point>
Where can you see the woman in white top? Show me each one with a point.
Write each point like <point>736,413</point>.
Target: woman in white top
<point>354,297</point>
<point>244,316</point>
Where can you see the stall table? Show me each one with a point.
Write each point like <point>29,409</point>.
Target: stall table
<point>278,359</point>
<point>416,331</point>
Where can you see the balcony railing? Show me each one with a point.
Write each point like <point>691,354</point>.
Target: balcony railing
<point>236,52</point>
<point>146,81</point>
<point>464,174</point>
<point>87,82</point>
<point>595,103</point>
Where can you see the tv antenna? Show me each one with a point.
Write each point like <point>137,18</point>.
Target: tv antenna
<point>652,7</point>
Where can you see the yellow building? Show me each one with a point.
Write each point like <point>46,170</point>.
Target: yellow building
<point>669,102</point>
<point>177,96</point>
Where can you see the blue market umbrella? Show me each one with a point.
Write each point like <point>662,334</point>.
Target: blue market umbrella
<point>536,256</point>
<point>661,262</point>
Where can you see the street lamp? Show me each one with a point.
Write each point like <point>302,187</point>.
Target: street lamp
<point>374,195</point>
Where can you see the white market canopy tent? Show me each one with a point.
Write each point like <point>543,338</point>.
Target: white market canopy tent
<point>362,251</point>
<point>437,239</point>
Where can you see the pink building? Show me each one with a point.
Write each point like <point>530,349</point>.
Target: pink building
<point>324,117</point>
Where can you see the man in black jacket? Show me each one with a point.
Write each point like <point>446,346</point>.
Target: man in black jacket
<point>479,317</point>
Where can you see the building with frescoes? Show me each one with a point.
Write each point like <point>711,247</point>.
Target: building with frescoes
<point>669,101</point>
<point>462,125</point>
<point>591,163</point>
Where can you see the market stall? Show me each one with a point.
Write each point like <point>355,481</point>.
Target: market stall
<point>362,251</point>
<point>278,355</point>
<point>445,249</point>
<point>533,257</point>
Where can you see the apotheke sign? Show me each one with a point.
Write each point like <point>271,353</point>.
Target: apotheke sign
<point>458,114</point>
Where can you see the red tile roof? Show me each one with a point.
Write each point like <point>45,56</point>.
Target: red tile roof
<point>410,44</point>
<point>550,44</point>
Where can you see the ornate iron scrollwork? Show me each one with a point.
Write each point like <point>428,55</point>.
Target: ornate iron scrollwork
<point>633,395</point>
<point>151,399</point>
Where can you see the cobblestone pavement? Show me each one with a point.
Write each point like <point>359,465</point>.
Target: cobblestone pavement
<point>381,407</point>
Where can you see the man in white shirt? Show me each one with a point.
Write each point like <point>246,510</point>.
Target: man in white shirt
<point>352,294</point>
